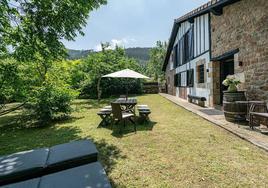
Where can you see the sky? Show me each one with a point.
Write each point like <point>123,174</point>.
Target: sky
<point>132,23</point>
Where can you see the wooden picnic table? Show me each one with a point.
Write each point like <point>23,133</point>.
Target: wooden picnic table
<point>128,105</point>
<point>105,115</point>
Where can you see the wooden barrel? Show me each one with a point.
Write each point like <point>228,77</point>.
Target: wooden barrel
<point>234,111</point>
<point>234,96</point>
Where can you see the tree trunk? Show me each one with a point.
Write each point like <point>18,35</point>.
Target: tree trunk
<point>4,112</point>
<point>99,89</point>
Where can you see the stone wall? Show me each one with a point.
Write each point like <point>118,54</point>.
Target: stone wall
<point>170,81</point>
<point>150,87</point>
<point>215,88</point>
<point>244,25</point>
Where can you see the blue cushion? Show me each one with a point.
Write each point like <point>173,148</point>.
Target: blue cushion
<point>33,183</point>
<point>70,155</point>
<point>22,166</point>
<point>90,175</point>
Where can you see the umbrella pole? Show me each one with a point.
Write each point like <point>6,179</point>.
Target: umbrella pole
<point>127,89</point>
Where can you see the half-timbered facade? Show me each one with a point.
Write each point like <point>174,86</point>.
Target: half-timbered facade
<point>188,66</point>
<point>189,59</point>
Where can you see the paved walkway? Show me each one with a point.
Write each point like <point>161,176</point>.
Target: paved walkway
<point>217,117</point>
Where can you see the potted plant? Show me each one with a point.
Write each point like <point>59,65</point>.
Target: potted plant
<point>233,110</point>
<point>231,82</point>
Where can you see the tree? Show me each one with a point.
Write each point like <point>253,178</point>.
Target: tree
<point>53,98</point>
<point>31,31</point>
<point>9,77</point>
<point>34,29</point>
<point>157,57</point>
<point>96,65</point>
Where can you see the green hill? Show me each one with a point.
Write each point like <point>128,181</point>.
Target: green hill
<point>78,54</point>
<point>140,54</point>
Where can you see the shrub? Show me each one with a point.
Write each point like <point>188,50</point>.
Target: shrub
<point>51,101</point>
<point>111,87</point>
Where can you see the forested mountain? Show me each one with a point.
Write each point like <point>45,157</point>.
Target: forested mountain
<point>78,54</point>
<point>141,54</point>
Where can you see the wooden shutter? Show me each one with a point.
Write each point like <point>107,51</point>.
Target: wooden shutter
<point>186,47</point>
<point>190,78</point>
<point>183,50</point>
<point>180,49</point>
<point>175,80</point>
<point>175,57</point>
<point>179,79</point>
<point>191,43</point>
<point>178,54</point>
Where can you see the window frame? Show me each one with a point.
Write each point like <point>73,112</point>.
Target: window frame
<point>201,77</point>
<point>190,78</point>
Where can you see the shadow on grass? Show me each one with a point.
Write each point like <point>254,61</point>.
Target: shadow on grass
<point>108,154</point>
<point>91,104</point>
<point>26,121</point>
<point>119,131</point>
<point>16,140</point>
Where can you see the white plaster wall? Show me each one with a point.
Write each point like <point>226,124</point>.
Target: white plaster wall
<point>202,92</point>
<point>201,31</point>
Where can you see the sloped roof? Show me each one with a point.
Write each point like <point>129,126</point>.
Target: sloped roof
<point>210,6</point>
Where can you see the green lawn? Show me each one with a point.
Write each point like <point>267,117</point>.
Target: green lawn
<point>177,149</point>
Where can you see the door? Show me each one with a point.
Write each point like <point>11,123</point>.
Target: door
<point>183,92</point>
<point>227,68</point>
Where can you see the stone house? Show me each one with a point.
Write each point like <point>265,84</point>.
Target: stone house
<point>220,38</point>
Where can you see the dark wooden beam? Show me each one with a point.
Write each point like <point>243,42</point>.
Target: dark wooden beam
<point>217,11</point>
<point>225,56</point>
<point>191,20</point>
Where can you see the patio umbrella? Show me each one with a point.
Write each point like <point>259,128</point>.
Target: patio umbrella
<point>126,73</point>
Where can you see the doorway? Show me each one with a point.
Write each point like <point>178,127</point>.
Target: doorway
<point>226,68</point>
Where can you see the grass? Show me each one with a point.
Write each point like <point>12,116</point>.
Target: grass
<point>177,149</point>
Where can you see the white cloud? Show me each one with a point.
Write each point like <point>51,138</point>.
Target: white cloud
<point>116,42</point>
<point>98,48</point>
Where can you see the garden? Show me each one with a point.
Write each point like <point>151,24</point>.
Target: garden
<point>175,149</point>
<point>47,99</point>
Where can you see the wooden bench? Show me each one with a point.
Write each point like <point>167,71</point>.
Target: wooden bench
<point>258,117</point>
<point>200,100</point>
<point>144,111</point>
<point>105,115</point>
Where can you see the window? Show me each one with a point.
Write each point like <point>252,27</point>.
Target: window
<point>180,52</point>
<point>201,73</point>
<point>189,44</point>
<point>183,79</point>
<point>175,56</point>
<point>201,34</point>
<point>190,78</point>
<point>177,80</point>
<point>186,47</point>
